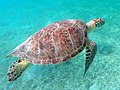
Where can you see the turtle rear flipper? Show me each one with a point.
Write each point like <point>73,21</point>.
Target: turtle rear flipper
<point>16,68</point>
<point>91,49</point>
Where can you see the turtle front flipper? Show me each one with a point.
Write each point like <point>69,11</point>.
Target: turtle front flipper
<point>91,49</point>
<point>16,68</point>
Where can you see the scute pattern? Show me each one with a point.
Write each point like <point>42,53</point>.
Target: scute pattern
<point>54,43</point>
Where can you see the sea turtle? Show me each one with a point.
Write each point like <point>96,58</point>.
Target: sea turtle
<point>57,42</point>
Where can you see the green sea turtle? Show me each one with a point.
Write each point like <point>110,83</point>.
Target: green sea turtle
<point>57,42</point>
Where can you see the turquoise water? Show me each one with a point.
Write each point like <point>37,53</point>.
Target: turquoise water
<point>20,19</point>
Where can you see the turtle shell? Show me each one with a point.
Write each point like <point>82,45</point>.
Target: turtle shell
<point>54,43</point>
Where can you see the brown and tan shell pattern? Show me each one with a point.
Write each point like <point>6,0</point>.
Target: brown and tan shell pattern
<point>55,43</point>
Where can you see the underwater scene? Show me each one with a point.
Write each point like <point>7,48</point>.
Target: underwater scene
<point>19,19</point>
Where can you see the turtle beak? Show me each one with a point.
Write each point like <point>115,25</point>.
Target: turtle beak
<point>99,22</point>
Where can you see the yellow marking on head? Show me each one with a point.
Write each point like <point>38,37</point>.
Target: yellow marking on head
<point>95,23</point>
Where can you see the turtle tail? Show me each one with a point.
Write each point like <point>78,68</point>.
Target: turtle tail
<point>16,68</point>
<point>9,55</point>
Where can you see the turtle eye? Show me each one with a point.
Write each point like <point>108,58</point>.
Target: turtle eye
<point>102,22</point>
<point>99,23</point>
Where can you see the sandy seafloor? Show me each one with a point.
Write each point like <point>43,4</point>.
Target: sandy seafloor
<point>21,18</point>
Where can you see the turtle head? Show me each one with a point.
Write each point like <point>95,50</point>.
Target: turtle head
<point>97,22</point>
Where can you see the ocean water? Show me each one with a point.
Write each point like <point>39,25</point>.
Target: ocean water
<point>19,19</point>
